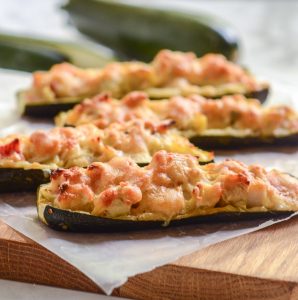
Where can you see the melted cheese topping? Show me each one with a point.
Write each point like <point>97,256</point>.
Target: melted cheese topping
<point>67,147</point>
<point>195,113</point>
<point>172,185</point>
<point>180,73</point>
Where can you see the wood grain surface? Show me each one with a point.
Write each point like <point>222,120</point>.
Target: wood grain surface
<point>260,265</point>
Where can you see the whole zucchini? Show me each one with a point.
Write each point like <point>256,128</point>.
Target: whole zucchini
<point>31,54</point>
<point>137,32</point>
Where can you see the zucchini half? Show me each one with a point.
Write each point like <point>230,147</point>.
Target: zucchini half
<point>22,180</point>
<point>28,180</point>
<point>16,179</point>
<point>72,221</point>
<point>212,142</point>
<point>50,110</point>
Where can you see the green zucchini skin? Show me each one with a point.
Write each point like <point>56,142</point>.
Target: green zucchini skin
<point>261,94</point>
<point>43,110</point>
<point>22,180</point>
<point>137,32</point>
<point>232,142</point>
<point>46,110</point>
<point>28,59</point>
<point>50,110</point>
<point>31,54</point>
<point>64,220</point>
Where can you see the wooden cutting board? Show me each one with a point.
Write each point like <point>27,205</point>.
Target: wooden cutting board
<point>260,265</point>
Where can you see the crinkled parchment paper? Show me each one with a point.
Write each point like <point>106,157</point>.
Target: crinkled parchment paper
<point>109,259</point>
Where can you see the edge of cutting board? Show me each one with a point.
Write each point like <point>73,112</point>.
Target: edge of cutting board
<point>196,276</point>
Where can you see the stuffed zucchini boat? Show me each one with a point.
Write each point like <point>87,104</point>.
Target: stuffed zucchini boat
<point>232,121</point>
<point>26,161</point>
<point>172,190</point>
<point>169,74</point>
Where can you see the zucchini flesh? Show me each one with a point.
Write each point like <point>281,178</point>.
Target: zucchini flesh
<point>137,32</point>
<point>232,142</point>
<point>22,180</point>
<point>65,220</point>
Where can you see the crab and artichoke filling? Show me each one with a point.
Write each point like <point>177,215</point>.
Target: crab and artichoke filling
<point>171,186</point>
<point>66,147</point>
<point>198,115</point>
<point>170,73</point>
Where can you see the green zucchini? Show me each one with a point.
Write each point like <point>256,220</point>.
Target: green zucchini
<point>22,180</point>
<point>48,110</point>
<point>138,32</point>
<point>31,54</point>
<point>227,209</point>
<point>19,179</point>
<point>235,142</point>
<point>66,220</point>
